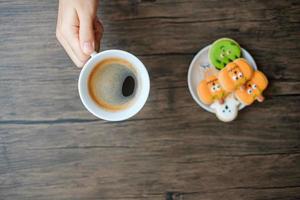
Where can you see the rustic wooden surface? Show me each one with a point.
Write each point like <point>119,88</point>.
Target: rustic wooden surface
<point>52,148</point>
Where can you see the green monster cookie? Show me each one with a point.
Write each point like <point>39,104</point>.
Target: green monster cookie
<point>224,51</point>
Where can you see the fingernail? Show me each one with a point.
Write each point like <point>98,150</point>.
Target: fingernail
<point>88,48</point>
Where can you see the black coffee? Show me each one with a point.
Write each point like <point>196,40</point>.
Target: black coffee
<point>112,84</point>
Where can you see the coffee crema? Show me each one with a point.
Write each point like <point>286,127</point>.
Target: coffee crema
<point>112,84</point>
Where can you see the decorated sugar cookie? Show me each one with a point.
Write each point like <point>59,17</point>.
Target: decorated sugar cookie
<point>210,90</point>
<point>253,90</point>
<point>227,111</point>
<point>224,51</point>
<point>235,74</point>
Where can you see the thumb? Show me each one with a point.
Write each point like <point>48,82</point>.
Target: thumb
<point>86,35</point>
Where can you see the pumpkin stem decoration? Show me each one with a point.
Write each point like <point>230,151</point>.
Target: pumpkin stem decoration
<point>221,101</point>
<point>260,98</point>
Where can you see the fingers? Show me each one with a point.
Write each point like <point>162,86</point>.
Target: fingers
<point>68,37</point>
<point>68,49</point>
<point>72,37</point>
<point>86,34</point>
<point>78,30</point>
<point>67,34</point>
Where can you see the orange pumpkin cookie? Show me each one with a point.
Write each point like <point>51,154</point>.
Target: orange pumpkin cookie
<point>235,74</point>
<point>210,90</point>
<point>253,90</point>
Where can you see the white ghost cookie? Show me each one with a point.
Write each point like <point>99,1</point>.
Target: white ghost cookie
<point>227,111</point>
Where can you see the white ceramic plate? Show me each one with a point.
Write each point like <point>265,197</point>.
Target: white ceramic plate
<point>196,73</point>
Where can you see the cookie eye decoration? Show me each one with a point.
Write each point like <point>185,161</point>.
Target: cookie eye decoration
<point>235,78</point>
<point>224,51</point>
<point>240,74</point>
<point>229,80</point>
<point>213,88</point>
<point>255,87</point>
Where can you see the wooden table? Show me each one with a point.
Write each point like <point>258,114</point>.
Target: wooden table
<point>52,148</point>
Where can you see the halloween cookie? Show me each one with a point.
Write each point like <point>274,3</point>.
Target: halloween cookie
<point>235,74</point>
<point>227,111</point>
<point>224,51</point>
<point>253,89</point>
<point>210,90</point>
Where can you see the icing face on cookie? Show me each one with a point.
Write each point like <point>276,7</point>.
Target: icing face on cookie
<point>235,74</point>
<point>227,111</point>
<point>224,51</point>
<point>215,87</point>
<point>210,90</point>
<point>253,90</point>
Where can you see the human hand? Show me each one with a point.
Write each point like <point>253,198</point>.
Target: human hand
<point>78,29</point>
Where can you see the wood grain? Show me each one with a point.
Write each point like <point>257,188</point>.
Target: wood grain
<point>52,148</point>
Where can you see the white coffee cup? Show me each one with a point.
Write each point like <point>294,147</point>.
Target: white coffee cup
<point>142,86</point>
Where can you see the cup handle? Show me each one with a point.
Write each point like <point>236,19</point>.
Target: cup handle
<point>93,54</point>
